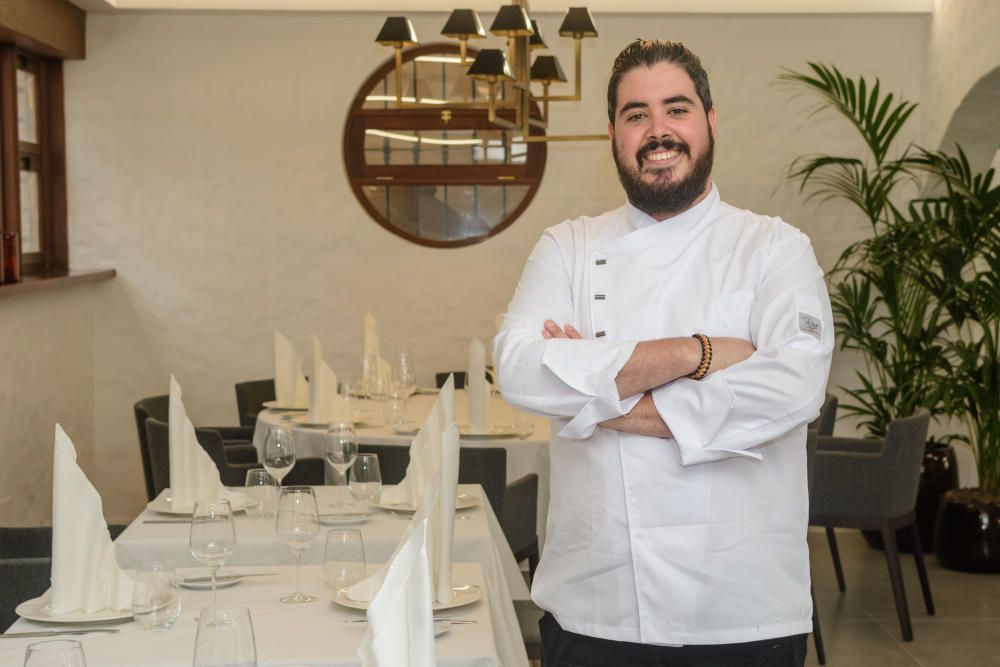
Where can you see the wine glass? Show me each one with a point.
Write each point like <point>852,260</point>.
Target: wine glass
<point>343,559</point>
<point>213,535</point>
<point>341,450</point>
<point>297,525</point>
<point>156,600</point>
<point>395,409</point>
<point>366,478</point>
<point>279,452</point>
<point>55,653</point>
<point>403,374</point>
<point>225,639</point>
<point>262,494</point>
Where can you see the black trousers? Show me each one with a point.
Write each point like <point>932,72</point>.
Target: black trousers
<point>567,649</point>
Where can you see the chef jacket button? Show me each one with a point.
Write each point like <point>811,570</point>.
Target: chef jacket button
<point>601,262</point>
<point>600,334</point>
<point>598,297</point>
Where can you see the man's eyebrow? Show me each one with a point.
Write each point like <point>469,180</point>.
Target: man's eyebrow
<point>676,99</point>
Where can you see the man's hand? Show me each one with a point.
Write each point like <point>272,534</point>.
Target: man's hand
<point>728,352</point>
<point>644,419</point>
<point>552,330</point>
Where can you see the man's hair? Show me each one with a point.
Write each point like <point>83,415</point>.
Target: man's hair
<point>648,52</point>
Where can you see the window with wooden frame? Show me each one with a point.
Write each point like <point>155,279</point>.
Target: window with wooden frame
<point>32,164</point>
<point>438,174</point>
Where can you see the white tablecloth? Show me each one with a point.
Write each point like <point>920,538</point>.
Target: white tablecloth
<point>312,633</point>
<point>524,456</point>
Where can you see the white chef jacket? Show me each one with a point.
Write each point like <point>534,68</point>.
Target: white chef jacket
<point>700,538</point>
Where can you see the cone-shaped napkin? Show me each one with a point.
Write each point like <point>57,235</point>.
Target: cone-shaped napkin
<point>325,405</point>
<point>85,575</point>
<point>477,388</point>
<point>400,629</point>
<point>435,448</point>
<point>290,387</point>
<point>193,474</point>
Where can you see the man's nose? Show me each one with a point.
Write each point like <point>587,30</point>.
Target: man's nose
<point>659,128</point>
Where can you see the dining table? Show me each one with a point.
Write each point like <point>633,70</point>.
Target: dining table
<point>321,633</point>
<point>524,436</point>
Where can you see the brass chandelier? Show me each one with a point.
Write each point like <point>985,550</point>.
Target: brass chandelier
<point>513,67</point>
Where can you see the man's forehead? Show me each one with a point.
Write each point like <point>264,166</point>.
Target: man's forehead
<point>653,84</point>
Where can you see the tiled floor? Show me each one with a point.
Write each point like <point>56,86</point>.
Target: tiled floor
<point>860,628</point>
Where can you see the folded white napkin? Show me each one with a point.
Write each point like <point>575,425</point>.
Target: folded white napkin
<point>400,616</point>
<point>85,575</point>
<point>477,388</point>
<point>193,474</point>
<point>434,460</point>
<point>325,404</point>
<point>290,387</point>
<point>370,340</point>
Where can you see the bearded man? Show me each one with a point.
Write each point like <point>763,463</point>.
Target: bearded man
<point>680,346</point>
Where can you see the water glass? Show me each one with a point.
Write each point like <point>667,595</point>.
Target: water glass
<point>156,599</point>
<point>341,450</point>
<point>225,639</point>
<point>297,526</point>
<point>404,377</point>
<point>395,408</point>
<point>262,494</point>
<point>55,653</point>
<point>279,452</point>
<point>366,478</point>
<point>344,558</point>
<point>213,535</point>
<point>524,427</point>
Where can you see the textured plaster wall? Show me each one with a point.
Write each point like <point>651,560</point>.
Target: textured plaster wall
<point>205,165</point>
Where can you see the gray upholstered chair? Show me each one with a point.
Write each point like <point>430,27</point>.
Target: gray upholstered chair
<point>519,520</point>
<point>392,460</point>
<point>309,471</point>
<point>237,439</point>
<point>827,416</point>
<point>811,442</point>
<point>872,484</point>
<point>250,398</point>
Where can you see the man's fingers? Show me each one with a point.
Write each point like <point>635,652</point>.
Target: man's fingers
<point>572,333</point>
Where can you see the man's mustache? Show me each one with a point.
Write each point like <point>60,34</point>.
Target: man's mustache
<point>665,144</point>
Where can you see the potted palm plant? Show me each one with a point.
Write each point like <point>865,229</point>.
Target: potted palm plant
<point>891,303</point>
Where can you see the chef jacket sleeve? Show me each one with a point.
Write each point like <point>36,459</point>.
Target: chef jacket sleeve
<point>780,386</point>
<point>557,377</point>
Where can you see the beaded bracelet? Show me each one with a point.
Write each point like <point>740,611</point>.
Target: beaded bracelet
<point>706,357</point>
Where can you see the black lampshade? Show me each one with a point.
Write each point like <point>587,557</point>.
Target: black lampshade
<point>578,23</point>
<point>511,21</point>
<point>397,31</point>
<point>547,69</point>
<point>490,65</point>
<point>536,41</point>
<point>463,23</point>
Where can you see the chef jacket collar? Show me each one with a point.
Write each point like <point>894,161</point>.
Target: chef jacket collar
<point>638,220</point>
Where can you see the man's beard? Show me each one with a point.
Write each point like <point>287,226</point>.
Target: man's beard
<point>657,199</point>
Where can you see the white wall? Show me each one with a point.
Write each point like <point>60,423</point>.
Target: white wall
<point>205,165</point>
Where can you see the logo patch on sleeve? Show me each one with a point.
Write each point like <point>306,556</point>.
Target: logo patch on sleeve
<point>811,325</point>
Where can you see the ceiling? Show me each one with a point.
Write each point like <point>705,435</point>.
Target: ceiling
<point>596,6</point>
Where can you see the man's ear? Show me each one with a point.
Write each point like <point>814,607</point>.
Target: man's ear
<point>611,131</point>
<point>712,123</point>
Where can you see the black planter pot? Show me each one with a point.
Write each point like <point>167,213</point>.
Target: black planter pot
<point>938,474</point>
<point>967,531</point>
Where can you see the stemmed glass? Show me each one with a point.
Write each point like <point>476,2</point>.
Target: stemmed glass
<point>403,375</point>
<point>341,450</point>
<point>279,452</point>
<point>297,525</point>
<point>55,653</point>
<point>366,478</point>
<point>225,639</point>
<point>343,559</point>
<point>213,535</point>
<point>262,494</point>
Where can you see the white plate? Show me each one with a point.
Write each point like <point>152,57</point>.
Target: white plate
<point>493,433</point>
<point>38,609</point>
<point>273,405</point>
<point>223,581</point>
<point>441,627</point>
<point>302,421</point>
<point>161,504</point>
<point>343,518</point>
<point>462,595</point>
<point>462,502</point>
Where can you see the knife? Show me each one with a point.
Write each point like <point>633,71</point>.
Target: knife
<point>225,577</point>
<point>53,633</point>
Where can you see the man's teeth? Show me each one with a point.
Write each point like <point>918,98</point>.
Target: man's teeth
<point>660,156</point>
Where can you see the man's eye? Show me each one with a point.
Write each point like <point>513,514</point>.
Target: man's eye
<point>677,112</point>
<point>635,116</point>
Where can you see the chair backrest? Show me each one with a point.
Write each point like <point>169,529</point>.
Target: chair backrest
<point>812,438</point>
<point>519,519</point>
<point>21,579</point>
<point>486,466</point>
<point>250,397</point>
<point>153,406</point>
<point>827,416</point>
<point>904,452</point>
<point>392,460</point>
<point>158,439</point>
<point>441,378</point>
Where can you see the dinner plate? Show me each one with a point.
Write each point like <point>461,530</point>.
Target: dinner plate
<point>441,627</point>
<point>461,596</point>
<point>38,609</point>
<point>463,501</point>
<point>222,581</point>
<point>302,421</point>
<point>273,405</point>
<point>492,433</point>
<point>161,504</point>
<point>344,518</point>
<point>409,429</point>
